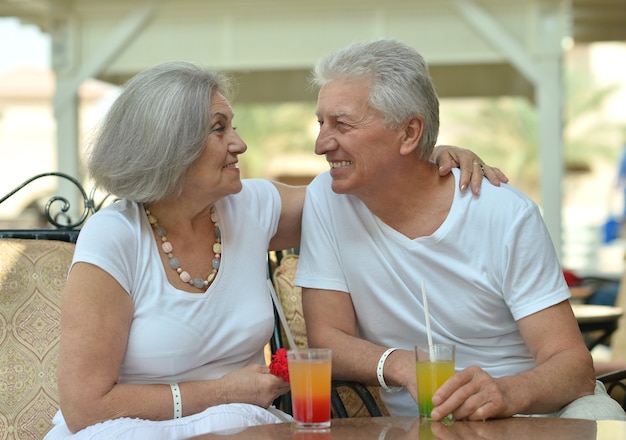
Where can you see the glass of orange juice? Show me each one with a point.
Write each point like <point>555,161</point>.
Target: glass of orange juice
<point>435,365</point>
<point>310,379</point>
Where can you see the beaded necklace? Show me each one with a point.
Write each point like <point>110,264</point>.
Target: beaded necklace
<point>167,248</point>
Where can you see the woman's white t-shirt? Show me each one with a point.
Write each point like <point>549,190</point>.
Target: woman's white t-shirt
<point>177,336</point>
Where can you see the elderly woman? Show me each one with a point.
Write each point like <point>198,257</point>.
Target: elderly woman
<point>165,311</point>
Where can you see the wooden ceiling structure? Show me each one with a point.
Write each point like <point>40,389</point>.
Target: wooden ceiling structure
<point>474,48</point>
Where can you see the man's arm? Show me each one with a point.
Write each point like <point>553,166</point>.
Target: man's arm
<point>564,372</point>
<point>331,322</point>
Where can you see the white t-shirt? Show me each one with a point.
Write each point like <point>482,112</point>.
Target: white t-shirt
<point>175,335</point>
<point>489,264</point>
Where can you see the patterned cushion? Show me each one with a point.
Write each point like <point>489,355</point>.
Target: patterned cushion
<point>290,297</point>
<point>32,274</point>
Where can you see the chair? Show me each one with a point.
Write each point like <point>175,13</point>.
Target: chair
<point>348,399</point>
<point>33,267</point>
<point>615,384</point>
<point>32,274</point>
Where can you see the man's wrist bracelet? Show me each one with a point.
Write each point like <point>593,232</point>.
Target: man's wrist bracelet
<point>379,372</point>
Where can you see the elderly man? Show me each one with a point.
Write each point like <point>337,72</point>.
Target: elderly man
<point>381,221</point>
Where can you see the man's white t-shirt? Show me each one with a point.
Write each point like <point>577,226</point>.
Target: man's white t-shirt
<point>489,264</point>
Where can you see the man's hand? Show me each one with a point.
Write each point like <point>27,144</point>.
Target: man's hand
<point>471,394</point>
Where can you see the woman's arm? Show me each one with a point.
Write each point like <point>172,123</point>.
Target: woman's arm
<point>292,201</point>
<point>96,315</point>
<point>472,167</point>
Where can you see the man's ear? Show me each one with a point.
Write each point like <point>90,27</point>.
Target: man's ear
<point>413,129</point>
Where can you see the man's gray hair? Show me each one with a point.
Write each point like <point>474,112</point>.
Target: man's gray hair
<point>401,87</point>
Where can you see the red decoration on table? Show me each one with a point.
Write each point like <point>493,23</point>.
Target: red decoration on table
<point>279,366</point>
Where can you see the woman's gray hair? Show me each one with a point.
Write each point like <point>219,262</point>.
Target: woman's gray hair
<point>154,131</point>
<point>401,87</point>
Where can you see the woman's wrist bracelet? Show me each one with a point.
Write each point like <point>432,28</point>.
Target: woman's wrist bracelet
<point>178,401</point>
<point>379,372</point>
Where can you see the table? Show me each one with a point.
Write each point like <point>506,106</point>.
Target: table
<point>614,274</point>
<point>411,428</point>
<point>600,319</point>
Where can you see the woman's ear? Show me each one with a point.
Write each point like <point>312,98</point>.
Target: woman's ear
<point>413,129</point>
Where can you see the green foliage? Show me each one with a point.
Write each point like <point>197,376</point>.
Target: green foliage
<point>587,136</point>
<point>504,131</point>
<point>272,130</point>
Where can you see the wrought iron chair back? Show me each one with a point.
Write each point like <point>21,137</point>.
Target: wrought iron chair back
<point>58,211</point>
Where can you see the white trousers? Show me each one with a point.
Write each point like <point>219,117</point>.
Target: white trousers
<point>598,406</point>
<point>229,417</point>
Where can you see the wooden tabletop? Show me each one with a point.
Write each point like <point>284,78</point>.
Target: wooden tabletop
<point>588,313</point>
<point>411,428</point>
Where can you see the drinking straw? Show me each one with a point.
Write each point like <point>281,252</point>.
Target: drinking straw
<point>427,317</point>
<point>281,315</point>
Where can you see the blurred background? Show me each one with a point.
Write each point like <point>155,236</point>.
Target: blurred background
<point>535,87</point>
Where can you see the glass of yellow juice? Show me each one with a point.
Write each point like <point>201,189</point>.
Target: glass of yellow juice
<point>310,379</point>
<point>435,365</point>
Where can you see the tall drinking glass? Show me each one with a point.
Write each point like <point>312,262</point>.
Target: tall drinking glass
<point>435,365</point>
<point>310,378</point>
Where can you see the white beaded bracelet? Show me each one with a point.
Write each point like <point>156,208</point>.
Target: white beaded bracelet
<point>379,372</point>
<point>178,402</point>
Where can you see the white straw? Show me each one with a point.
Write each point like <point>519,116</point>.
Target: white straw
<point>281,315</point>
<point>427,317</point>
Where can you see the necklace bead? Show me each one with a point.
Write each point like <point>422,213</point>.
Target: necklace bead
<point>174,263</point>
